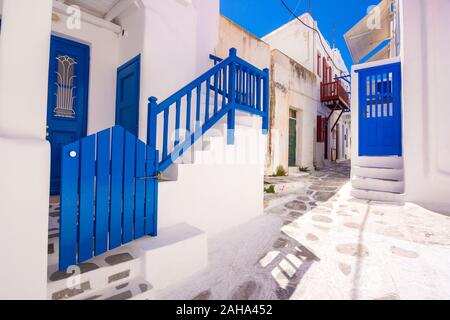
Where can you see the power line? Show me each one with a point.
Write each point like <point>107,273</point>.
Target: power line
<point>315,30</point>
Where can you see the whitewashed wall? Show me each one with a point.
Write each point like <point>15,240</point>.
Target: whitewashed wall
<point>249,47</point>
<point>295,41</point>
<point>302,45</point>
<point>426,133</point>
<point>25,155</point>
<point>177,38</point>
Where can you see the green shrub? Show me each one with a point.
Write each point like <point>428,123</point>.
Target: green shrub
<point>270,189</point>
<point>304,169</point>
<point>281,172</point>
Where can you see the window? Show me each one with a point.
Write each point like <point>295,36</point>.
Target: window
<point>319,57</point>
<point>321,129</point>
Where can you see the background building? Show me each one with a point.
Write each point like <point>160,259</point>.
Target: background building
<point>308,97</point>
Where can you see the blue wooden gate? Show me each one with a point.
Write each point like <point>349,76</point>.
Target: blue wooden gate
<point>109,192</point>
<point>380,108</point>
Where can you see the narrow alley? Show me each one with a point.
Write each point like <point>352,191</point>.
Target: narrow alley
<point>316,242</point>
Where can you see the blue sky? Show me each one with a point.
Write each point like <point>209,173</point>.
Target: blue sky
<point>262,16</point>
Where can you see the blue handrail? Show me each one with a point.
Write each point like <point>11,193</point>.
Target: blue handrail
<point>240,86</point>
<point>216,59</point>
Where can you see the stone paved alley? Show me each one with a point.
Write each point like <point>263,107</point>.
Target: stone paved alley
<point>316,242</point>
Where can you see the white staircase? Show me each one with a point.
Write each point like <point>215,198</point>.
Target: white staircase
<point>378,179</point>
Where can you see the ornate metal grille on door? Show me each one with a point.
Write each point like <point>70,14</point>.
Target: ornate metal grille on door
<point>65,87</point>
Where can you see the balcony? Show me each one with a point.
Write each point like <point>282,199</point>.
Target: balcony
<point>334,95</point>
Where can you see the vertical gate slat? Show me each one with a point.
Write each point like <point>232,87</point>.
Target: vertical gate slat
<point>87,173</point>
<point>139,230</point>
<point>151,193</point>
<point>154,167</point>
<point>128,188</point>
<point>102,201</point>
<point>69,206</point>
<point>115,236</point>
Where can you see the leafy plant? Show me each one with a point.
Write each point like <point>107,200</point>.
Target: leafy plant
<point>281,172</point>
<point>270,189</point>
<point>304,169</point>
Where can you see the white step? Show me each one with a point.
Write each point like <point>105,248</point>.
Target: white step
<point>378,185</point>
<point>139,262</point>
<point>378,173</point>
<point>379,162</point>
<point>134,289</point>
<point>177,253</point>
<point>97,279</point>
<point>378,196</point>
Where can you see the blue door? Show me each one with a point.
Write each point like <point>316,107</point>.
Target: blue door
<point>67,99</point>
<point>127,96</point>
<point>380,111</point>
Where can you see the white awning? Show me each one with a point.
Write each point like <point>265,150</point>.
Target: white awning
<point>370,32</point>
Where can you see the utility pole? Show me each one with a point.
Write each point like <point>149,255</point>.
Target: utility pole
<point>310,7</point>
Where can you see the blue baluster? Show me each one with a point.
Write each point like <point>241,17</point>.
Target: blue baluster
<point>216,92</point>
<point>232,112</point>
<point>197,113</point>
<point>177,123</point>
<point>238,83</point>
<point>208,90</point>
<point>258,92</point>
<point>248,89</point>
<point>165,133</point>
<point>224,88</point>
<point>188,111</point>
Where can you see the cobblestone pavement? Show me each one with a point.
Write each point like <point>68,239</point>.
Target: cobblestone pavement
<point>319,243</point>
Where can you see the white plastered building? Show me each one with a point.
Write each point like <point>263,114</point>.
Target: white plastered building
<point>308,98</point>
<point>402,155</point>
